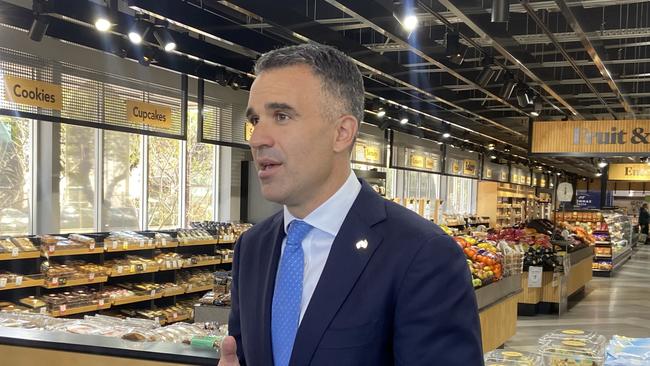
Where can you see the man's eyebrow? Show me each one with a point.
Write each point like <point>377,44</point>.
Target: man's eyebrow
<point>280,106</point>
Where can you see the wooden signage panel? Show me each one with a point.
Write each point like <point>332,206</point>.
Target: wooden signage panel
<point>591,137</point>
<point>630,172</point>
<point>150,114</point>
<point>33,92</point>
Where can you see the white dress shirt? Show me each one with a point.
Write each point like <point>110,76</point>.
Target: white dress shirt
<point>326,221</point>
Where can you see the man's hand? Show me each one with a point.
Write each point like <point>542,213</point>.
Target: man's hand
<point>228,352</point>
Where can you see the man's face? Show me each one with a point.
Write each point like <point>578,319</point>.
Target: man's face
<point>293,141</point>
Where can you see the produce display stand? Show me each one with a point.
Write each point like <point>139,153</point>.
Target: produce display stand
<point>550,295</point>
<point>497,303</point>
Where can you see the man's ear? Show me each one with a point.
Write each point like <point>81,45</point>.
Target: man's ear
<point>347,128</point>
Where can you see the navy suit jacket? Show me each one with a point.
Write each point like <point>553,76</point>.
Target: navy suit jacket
<point>406,299</point>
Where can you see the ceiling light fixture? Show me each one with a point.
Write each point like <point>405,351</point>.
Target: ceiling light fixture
<point>523,96</point>
<point>599,173</point>
<point>41,22</point>
<point>602,163</point>
<point>508,87</point>
<point>164,38</point>
<point>403,117</point>
<point>491,147</point>
<point>138,31</point>
<point>500,11</point>
<point>102,24</point>
<point>410,22</point>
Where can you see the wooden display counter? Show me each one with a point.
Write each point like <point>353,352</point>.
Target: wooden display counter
<point>26,346</point>
<point>497,305</point>
<point>534,300</point>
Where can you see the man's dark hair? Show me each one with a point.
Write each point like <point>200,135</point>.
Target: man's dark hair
<point>339,75</point>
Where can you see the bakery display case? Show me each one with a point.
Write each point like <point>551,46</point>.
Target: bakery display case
<point>134,273</point>
<point>613,244</point>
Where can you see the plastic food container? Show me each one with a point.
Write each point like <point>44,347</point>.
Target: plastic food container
<point>628,351</point>
<point>571,352</point>
<point>512,358</point>
<point>589,337</point>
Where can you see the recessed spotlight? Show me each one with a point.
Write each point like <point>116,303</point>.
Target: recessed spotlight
<point>102,24</point>
<point>446,135</point>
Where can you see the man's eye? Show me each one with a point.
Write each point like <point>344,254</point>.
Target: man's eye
<point>281,117</point>
<point>253,120</point>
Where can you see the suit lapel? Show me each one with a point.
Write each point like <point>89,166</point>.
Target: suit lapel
<point>344,265</point>
<point>277,232</point>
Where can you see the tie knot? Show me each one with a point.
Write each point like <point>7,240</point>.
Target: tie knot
<point>297,232</point>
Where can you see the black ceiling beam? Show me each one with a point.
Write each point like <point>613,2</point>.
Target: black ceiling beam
<point>579,21</point>
<point>209,22</point>
<point>71,32</point>
<point>381,19</point>
<point>503,42</point>
<point>291,18</point>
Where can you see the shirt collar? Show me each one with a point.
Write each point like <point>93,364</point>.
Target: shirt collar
<point>329,216</point>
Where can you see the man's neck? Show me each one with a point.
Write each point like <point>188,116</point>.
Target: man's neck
<point>326,191</point>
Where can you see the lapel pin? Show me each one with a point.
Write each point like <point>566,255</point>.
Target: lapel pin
<point>362,244</point>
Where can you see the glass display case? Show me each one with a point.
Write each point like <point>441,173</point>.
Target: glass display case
<point>613,242</point>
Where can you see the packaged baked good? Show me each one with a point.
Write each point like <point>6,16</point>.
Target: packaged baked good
<point>33,302</point>
<point>51,239</point>
<point>501,357</point>
<point>572,347</point>
<point>81,239</point>
<point>24,244</point>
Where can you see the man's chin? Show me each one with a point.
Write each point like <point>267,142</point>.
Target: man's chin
<point>272,195</point>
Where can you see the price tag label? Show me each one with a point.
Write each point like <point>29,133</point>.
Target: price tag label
<point>164,242</point>
<point>114,245</point>
<point>144,267</point>
<point>43,310</point>
<point>153,293</point>
<point>174,315</point>
<point>101,302</point>
<point>132,269</point>
<point>14,252</point>
<point>51,248</point>
<point>189,287</point>
<point>19,280</point>
<point>120,269</point>
<point>535,277</point>
<point>3,282</point>
<point>63,308</point>
<point>55,281</point>
<point>91,276</point>
<point>92,246</point>
<point>125,245</point>
<point>168,264</point>
<point>157,320</point>
<point>141,243</point>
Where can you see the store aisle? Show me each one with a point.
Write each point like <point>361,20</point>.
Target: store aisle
<point>618,305</point>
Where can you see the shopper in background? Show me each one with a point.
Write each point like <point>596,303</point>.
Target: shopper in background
<point>644,220</point>
<point>340,276</point>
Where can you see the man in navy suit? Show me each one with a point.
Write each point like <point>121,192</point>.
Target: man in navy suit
<point>341,276</point>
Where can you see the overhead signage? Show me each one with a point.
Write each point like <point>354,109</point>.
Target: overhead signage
<point>455,167</point>
<point>150,114</point>
<point>373,154</point>
<point>591,138</point>
<point>248,131</point>
<point>417,161</point>
<point>632,172</point>
<point>504,176</point>
<point>33,92</point>
<point>469,167</point>
<point>488,173</point>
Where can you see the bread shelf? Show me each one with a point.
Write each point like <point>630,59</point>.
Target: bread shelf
<point>198,288</point>
<point>26,282</point>
<point>136,298</point>
<point>72,251</point>
<point>76,282</point>
<point>127,272</point>
<point>20,255</point>
<point>191,243</point>
<point>175,292</point>
<point>80,309</point>
<point>128,247</point>
<point>180,318</point>
<point>168,244</point>
<point>203,263</point>
<point>227,241</point>
<point>226,261</point>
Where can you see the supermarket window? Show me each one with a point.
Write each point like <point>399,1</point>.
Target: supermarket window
<point>163,183</point>
<point>460,196</point>
<point>122,183</point>
<point>77,179</point>
<point>200,181</point>
<point>15,180</point>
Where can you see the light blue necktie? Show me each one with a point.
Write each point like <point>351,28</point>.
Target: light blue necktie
<point>287,298</point>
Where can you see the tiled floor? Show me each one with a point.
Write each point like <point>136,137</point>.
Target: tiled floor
<point>611,305</point>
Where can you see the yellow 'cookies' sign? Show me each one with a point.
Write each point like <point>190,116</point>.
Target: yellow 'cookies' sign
<point>372,154</point>
<point>417,161</point>
<point>33,92</point>
<point>155,115</point>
